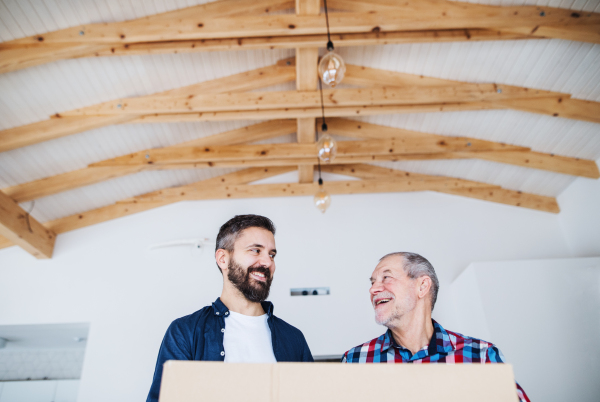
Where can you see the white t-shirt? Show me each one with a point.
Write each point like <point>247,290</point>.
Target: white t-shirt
<point>247,339</point>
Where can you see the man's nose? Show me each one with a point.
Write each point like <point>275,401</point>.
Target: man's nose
<point>376,287</point>
<point>265,260</point>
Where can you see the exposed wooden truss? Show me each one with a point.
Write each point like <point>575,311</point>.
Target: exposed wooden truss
<point>236,24</point>
<point>58,126</point>
<point>306,80</point>
<point>23,230</point>
<point>239,24</point>
<point>227,99</point>
<point>235,185</point>
<point>413,145</point>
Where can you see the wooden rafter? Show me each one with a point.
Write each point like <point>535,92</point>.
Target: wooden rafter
<point>23,230</point>
<point>306,80</point>
<point>59,125</point>
<point>333,98</point>
<point>226,22</point>
<point>530,159</point>
<point>460,187</point>
<point>290,154</point>
<point>235,185</point>
<point>555,104</point>
<point>386,92</point>
<point>86,176</point>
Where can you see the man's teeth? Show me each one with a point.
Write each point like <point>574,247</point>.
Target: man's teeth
<point>382,301</point>
<point>258,274</point>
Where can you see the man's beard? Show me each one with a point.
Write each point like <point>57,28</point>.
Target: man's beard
<point>253,290</point>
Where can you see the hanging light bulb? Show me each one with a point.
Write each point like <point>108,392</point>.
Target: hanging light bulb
<point>332,68</point>
<point>326,147</point>
<point>322,198</point>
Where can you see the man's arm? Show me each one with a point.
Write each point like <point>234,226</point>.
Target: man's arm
<point>494,355</point>
<point>175,346</point>
<point>306,355</point>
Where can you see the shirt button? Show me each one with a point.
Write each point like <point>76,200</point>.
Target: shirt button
<point>222,353</point>
<point>217,313</point>
<point>227,313</point>
<point>222,329</point>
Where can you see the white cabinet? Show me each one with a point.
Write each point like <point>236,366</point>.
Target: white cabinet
<point>28,391</point>
<point>66,391</point>
<point>39,391</point>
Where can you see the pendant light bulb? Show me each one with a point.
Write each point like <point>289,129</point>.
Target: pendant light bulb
<point>322,198</point>
<point>327,148</point>
<point>332,68</point>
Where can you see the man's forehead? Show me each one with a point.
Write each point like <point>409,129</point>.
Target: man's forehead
<point>392,263</point>
<point>256,235</point>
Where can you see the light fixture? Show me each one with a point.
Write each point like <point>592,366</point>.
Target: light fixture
<point>326,146</point>
<point>322,198</point>
<point>331,67</point>
<point>326,150</point>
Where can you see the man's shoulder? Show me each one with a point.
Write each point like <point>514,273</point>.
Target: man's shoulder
<point>461,341</point>
<point>353,354</point>
<point>286,327</point>
<point>191,320</point>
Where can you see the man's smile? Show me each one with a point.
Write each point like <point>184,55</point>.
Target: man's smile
<point>379,301</point>
<point>259,276</point>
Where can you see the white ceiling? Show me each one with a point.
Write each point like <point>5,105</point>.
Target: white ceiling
<point>31,95</point>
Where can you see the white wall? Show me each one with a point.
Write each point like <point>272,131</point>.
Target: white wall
<point>545,317</point>
<point>580,216</point>
<point>105,274</point>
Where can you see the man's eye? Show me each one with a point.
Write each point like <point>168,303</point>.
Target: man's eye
<point>272,256</point>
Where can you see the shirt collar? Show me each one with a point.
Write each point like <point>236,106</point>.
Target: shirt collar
<point>221,310</point>
<point>439,342</point>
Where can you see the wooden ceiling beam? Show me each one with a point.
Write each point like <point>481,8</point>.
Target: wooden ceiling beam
<point>530,159</point>
<point>554,104</point>
<point>388,92</point>
<point>373,96</point>
<point>236,25</point>
<point>174,157</point>
<point>216,188</point>
<point>18,227</point>
<point>307,59</point>
<point>409,16</point>
<point>86,176</point>
<point>130,206</point>
<point>60,125</point>
<point>465,188</point>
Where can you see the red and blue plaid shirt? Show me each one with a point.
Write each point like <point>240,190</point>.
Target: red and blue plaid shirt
<point>444,347</point>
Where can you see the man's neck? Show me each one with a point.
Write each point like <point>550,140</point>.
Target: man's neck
<point>413,331</point>
<point>236,302</point>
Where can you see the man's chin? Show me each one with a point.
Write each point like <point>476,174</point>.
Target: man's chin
<point>382,319</point>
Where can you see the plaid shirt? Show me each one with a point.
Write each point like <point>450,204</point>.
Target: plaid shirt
<point>444,347</point>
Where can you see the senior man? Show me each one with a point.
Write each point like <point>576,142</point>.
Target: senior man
<point>403,291</point>
<point>239,327</point>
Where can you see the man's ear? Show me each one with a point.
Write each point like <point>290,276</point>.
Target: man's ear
<point>222,258</point>
<point>424,286</point>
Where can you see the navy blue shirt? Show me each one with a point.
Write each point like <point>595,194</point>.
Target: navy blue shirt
<point>199,336</point>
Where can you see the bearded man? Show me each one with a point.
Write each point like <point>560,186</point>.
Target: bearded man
<point>239,326</point>
<point>404,288</point>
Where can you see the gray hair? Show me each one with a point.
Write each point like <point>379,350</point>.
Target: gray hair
<point>417,266</point>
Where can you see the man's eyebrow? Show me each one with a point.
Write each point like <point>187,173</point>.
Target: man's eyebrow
<point>384,272</point>
<point>256,245</point>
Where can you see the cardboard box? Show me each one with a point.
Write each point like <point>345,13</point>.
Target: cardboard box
<point>190,381</point>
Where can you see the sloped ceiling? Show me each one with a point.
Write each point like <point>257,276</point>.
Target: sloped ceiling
<point>31,95</point>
